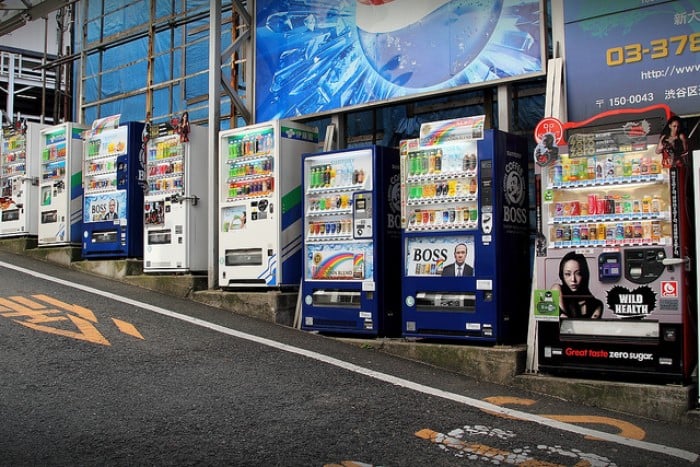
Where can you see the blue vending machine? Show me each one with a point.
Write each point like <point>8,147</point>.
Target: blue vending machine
<point>351,239</point>
<point>113,195</point>
<point>465,240</point>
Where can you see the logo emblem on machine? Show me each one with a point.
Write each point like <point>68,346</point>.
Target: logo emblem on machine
<point>631,304</point>
<point>669,289</point>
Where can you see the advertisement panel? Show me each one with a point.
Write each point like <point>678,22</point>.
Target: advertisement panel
<point>318,56</point>
<point>647,53</point>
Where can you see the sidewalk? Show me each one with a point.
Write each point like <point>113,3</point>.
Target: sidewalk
<point>503,365</point>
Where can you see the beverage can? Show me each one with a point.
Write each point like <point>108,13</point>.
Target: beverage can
<point>576,234</point>
<point>584,208</point>
<point>602,231</point>
<point>655,231</point>
<point>592,204</point>
<point>601,204</point>
<point>610,206</point>
<point>592,231</point>
<point>559,234</point>
<point>556,174</point>
<point>558,209</point>
<point>566,233</point>
<point>619,231</point>
<point>575,209</point>
<point>584,233</point>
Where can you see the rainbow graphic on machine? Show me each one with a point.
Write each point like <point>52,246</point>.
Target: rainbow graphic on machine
<point>338,261</point>
<point>457,129</point>
<point>336,266</point>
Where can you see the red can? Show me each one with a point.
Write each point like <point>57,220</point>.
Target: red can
<point>600,205</point>
<point>592,204</point>
<point>575,208</point>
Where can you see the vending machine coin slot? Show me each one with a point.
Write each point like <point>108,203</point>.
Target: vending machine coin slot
<point>362,215</point>
<point>610,266</point>
<point>644,265</point>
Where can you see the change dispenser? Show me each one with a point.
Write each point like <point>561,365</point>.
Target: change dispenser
<point>644,265</point>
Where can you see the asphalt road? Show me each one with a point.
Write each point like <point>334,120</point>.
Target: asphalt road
<point>97,372</point>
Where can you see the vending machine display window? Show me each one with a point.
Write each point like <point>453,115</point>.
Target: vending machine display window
<point>351,242</point>
<point>614,256</point>
<point>465,233</point>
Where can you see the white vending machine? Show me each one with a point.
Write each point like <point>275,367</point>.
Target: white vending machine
<point>61,185</point>
<point>19,179</point>
<point>176,203</point>
<point>260,203</point>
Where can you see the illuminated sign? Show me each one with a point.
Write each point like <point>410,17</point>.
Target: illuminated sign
<point>314,57</point>
<point>645,55</point>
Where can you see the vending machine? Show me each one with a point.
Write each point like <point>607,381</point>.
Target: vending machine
<point>351,273</point>
<point>19,179</point>
<point>464,217</point>
<point>260,204</point>
<point>175,206</point>
<point>61,185</point>
<point>612,292</point>
<point>113,197</point>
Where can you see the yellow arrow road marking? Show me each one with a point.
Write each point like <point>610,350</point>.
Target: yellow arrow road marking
<point>88,332</point>
<point>626,429</point>
<point>77,309</point>
<point>127,328</point>
<point>33,314</point>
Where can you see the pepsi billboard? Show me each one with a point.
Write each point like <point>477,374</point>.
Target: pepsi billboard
<point>631,54</point>
<point>314,57</point>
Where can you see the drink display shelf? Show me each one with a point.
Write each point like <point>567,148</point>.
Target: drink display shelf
<point>622,182</point>
<point>440,200</point>
<point>470,225</point>
<point>617,217</point>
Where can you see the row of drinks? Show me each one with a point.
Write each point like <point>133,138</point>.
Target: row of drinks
<point>101,183</point>
<point>451,216</point>
<point>434,161</point>
<point>611,166</point>
<point>98,147</point>
<point>9,170</point>
<point>608,204</point>
<point>53,152</point>
<point>326,203</point>
<point>164,149</point>
<point>100,167</point>
<point>165,168</point>
<point>607,233</point>
<point>261,187</point>
<point>342,227</point>
<point>165,184</point>
<point>335,175</point>
<point>250,145</point>
<point>450,188</point>
<point>258,167</point>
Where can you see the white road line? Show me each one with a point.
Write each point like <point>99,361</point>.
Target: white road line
<point>476,403</point>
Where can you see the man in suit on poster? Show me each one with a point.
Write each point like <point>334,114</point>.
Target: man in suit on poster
<point>459,267</point>
<point>112,213</point>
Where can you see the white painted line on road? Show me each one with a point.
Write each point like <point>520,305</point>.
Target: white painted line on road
<point>476,403</point>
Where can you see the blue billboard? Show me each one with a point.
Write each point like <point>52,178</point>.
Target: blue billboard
<point>632,54</point>
<point>314,57</point>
